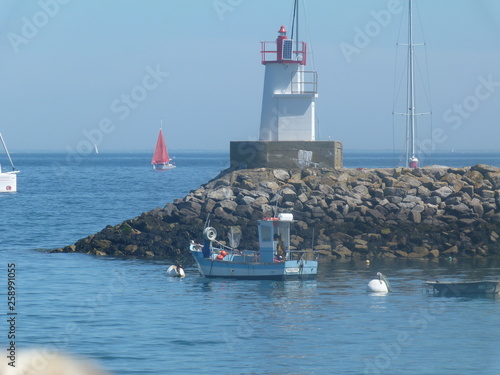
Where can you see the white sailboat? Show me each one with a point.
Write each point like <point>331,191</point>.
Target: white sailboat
<point>411,155</point>
<point>8,180</point>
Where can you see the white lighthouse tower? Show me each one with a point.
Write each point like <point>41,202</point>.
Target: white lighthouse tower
<point>287,136</point>
<point>290,92</point>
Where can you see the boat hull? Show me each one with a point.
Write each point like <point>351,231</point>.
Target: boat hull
<point>292,269</point>
<point>163,166</point>
<point>8,182</point>
<point>458,289</point>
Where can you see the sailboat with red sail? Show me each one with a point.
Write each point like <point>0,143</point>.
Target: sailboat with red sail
<point>161,161</point>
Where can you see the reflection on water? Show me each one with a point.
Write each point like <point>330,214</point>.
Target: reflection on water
<point>206,326</point>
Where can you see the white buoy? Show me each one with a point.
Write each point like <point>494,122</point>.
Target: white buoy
<point>175,271</point>
<point>379,285</point>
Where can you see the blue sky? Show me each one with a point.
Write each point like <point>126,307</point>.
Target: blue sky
<point>70,70</point>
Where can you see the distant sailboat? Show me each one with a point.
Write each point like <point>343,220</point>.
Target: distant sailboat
<point>411,158</point>
<point>8,180</point>
<point>161,160</point>
<point>96,150</point>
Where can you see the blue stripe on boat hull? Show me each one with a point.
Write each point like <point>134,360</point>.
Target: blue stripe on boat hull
<point>289,270</point>
<point>273,278</point>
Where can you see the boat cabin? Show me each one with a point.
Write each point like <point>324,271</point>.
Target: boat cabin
<point>274,238</point>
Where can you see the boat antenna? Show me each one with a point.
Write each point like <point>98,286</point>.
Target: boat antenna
<point>277,196</point>
<point>276,205</point>
<point>7,152</point>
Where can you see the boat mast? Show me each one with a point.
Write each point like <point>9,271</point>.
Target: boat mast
<point>411,159</point>
<point>7,152</point>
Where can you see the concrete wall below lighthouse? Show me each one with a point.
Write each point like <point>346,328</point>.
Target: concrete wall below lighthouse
<point>285,154</point>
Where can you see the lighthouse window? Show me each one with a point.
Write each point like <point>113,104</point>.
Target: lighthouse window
<point>287,49</point>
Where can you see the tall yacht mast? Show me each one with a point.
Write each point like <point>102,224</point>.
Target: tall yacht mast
<point>411,158</point>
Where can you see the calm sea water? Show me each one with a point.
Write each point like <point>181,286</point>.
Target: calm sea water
<point>131,318</point>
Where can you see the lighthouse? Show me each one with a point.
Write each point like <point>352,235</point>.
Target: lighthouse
<point>287,134</point>
<point>290,91</point>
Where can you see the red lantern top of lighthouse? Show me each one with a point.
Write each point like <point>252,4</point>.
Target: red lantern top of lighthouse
<point>283,50</point>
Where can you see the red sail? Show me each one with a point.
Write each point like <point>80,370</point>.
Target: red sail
<point>161,154</point>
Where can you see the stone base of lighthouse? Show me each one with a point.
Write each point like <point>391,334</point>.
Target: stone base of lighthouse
<point>285,154</point>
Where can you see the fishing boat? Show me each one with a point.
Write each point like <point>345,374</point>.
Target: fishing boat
<point>411,158</point>
<point>273,260</point>
<point>8,180</point>
<point>161,161</point>
<point>462,288</point>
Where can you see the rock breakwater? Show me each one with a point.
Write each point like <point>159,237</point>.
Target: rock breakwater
<point>361,213</point>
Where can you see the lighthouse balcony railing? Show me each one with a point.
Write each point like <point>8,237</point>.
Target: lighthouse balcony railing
<point>304,82</point>
<point>269,53</point>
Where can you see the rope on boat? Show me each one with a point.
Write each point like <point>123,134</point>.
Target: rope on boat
<point>7,152</point>
<point>232,249</point>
